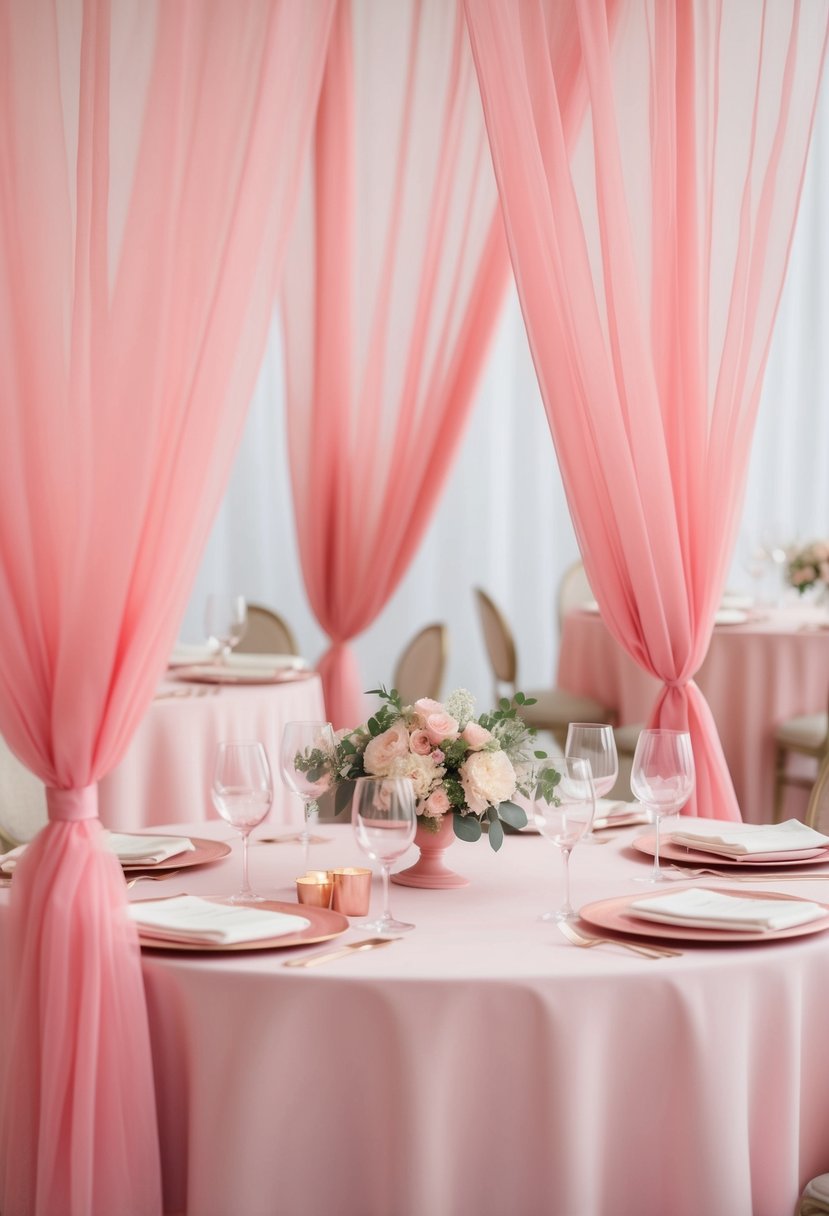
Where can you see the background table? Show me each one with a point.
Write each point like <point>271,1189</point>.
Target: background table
<point>167,771</point>
<point>754,676</point>
<point>484,1066</point>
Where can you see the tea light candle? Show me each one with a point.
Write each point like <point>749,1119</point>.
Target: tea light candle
<point>315,889</point>
<point>352,890</point>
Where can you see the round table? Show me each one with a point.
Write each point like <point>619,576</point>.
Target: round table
<point>167,770</point>
<point>757,674</point>
<point>482,1065</point>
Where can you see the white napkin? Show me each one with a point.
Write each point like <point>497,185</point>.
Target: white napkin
<point>268,662</point>
<point>749,839</point>
<point>186,918</point>
<point>713,910</point>
<point>150,850</point>
<point>185,653</point>
<point>130,850</point>
<point>611,814</point>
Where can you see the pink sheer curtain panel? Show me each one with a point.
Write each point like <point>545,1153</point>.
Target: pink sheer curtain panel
<point>650,255</point>
<point>394,277</point>
<point>150,158</point>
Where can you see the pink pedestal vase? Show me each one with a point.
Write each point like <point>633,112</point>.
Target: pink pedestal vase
<point>430,870</point>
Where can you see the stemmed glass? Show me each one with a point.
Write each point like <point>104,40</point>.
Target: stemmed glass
<point>566,820</point>
<point>242,794</point>
<point>225,622</point>
<point>384,819</point>
<point>662,779</point>
<point>306,761</point>
<point>596,743</point>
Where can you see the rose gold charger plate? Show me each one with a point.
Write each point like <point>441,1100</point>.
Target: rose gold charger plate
<point>701,857</point>
<point>203,851</point>
<point>324,924</point>
<point>207,674</point>
<point>613,914</point>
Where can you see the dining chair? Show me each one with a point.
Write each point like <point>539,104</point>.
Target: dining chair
<point>421,666</point>
<point>817,810</point>
<point>814,1201</point>
<point>555,708</point>
<point>806,735</point>
<point>266,633</point>
<point>22,800</point>
<point>574,591</point>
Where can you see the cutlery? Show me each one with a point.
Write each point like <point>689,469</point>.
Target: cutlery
<point>370,943</point>
<point>728,876</point>
<point>647,951</point>
<point>150,877</point>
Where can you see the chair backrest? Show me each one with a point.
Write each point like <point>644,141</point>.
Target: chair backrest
<point>421,666</point>
<point>267,633</point>
<point>22,800</point>
<point>499,642</point>
<point>573,590</point>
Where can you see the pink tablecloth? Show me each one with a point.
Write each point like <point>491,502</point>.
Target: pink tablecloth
<point>482,1066</point>
<point>167,771</point>
<point>754,676</point>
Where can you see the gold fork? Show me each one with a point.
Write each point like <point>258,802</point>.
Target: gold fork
<point>369,943</point>
<point>647,951</point>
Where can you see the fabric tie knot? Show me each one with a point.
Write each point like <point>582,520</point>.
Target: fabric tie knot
<point>675,683</point>
<point>70,806</point>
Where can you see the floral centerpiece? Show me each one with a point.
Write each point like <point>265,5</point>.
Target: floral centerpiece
<point>467,767</point>
<point>809,567</point>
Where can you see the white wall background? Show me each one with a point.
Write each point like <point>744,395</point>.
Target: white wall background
<point>502,522</point>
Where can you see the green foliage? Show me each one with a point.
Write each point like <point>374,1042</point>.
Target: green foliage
<point>512,814</point>
<point>548,779</point>
<point>468,827</point>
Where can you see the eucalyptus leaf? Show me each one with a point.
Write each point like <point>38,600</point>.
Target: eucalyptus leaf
<point>496,835</point>
<point>512,814</point>
<point>468,827</point>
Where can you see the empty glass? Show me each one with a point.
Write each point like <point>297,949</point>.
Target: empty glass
<point>242,794</point>
<point>566,820</point>
<point>306,761</point>
<point>384,819</point>
<point>225,622</point>
<point>596,743</point>
<point>662,778</point>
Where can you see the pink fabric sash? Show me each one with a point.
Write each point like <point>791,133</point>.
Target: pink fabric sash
<point>71,806</point>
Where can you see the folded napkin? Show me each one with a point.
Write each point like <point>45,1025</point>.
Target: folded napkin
<point>611,814</point>
<point>712,910</point>
<point>256,662</point>
<point>186,918</point>
<point>185,653</point>
<point>130,850</point>
<point>149,850</point>
<point>749,839</point>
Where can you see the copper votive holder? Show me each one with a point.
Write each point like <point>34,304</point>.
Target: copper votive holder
<point>315,889</point>
<point>352,890</point>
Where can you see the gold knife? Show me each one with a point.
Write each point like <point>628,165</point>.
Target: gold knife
<point>370,943</point>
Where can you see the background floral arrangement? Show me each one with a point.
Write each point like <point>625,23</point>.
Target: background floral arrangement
<point>468,767</point>
<point>809,567</point>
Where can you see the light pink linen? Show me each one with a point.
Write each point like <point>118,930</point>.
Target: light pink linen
<point>649,257</point>
<point>754,677</point>
<point>150,161</point>
<point>589,1081</point>
<point>167,771</point>
<point>393,282</point>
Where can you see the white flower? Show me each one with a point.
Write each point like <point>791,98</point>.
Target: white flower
<point>422,771</point>
<point>487,779</point>
<point>461,705</point>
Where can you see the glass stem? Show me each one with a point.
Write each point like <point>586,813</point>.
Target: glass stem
<point>566,910</point>
<point>657,875</point>
<point>386,868</point>
<point>246,887</point>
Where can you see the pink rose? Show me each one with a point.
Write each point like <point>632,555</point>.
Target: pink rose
<point>476,736</point>
<point>420,743</point>
<point>436,722</point>
<point>436,804</point>
<point>382,749</point>
<point>438,756</point>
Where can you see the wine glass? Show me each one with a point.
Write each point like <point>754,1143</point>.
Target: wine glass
<point>384,819</point>
<point>662,779</point>
<point>225,622</point>
<point>596,743</point>
<point>566,819</point>
<point>306,761</point>
<point>242,794</point>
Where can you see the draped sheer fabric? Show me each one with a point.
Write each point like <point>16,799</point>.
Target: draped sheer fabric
<point>649,255</point>
<point>393,281</point>
<point>150,158</point>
